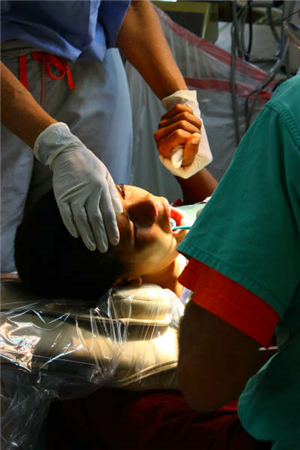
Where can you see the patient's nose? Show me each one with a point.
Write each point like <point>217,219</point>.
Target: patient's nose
<point>143,210</point>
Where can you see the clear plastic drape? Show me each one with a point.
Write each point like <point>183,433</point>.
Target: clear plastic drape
<point>62,349</point>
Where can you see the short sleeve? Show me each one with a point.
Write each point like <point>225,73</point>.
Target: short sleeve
<point>111,16</point>
<point>250,230</point>
<point>231,302</point>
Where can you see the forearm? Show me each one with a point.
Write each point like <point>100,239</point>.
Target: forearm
<point>198,187</point>
<point>142,41</point>
<point>215,359</point>
<point>20,113</point>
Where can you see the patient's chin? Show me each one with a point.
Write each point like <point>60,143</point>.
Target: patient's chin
<point>179,235</point>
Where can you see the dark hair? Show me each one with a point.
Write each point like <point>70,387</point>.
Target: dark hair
<point>54,264</point>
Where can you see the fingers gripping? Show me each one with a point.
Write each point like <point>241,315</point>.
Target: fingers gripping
<point>177,109</point>
<point>181,131</point>
<point>191,149</point>
<point>180,125</point>
<point>182,117</point>
<point>175,139</point>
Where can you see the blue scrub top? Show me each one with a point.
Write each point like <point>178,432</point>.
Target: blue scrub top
<point>71,29</point>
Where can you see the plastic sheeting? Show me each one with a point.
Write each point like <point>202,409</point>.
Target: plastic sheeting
<point>206,68</point>
<point>62,349</point>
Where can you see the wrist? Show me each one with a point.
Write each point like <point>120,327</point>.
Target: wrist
<point>39,128</point>
<point>185,97</point>
<point>52,141</point>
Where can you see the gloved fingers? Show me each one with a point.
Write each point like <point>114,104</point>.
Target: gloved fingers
<point>180,125</point>
<point>67,218</point>
<point>182,116</point>
<point>178,108</point>
<point>175,139</point>
<point>109,218</point>
<point>83,226</point>
<point>191,149</point>
<point>96,223</point>
<point>115,196</point>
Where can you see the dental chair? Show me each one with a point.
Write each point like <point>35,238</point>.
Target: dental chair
<point>63,348</point>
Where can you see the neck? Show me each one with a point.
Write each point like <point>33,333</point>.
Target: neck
<point>168,278</point>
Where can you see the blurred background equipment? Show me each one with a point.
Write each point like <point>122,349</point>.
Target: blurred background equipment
<point>200,18</point>
<point>257,36</point>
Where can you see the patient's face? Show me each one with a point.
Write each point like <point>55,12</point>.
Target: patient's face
<point>146,239</point>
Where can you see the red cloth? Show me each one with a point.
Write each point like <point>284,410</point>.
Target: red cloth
<point>230,301</point>
<point>152,420</point>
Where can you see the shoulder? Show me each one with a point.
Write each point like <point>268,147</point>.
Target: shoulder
<point>286,103</point>
<point>289,89</point>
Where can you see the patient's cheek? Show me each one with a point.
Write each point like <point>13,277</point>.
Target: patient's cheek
<point>146,238</point>
<point>180,236</point>
<point>124,229</point>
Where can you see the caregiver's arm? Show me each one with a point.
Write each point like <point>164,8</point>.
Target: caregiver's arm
<point>215,359</point>
<point>142,41</point>
<point>79,178</point>
<point>20,113</point>
<point>198,187</point>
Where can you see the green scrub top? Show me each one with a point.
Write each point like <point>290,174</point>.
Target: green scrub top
<point>250,232</point>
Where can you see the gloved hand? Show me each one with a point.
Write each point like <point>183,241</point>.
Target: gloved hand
<point>86,195</point>
<point>203,155</point>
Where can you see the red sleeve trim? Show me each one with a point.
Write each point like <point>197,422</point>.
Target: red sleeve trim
<point>230,301</point>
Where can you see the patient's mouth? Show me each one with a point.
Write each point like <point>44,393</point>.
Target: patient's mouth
<point>177,218</point>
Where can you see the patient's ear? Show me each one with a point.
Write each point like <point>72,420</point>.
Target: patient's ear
<point>129,281</point>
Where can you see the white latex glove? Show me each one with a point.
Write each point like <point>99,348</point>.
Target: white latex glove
<point>86,195</point>
<point>203,156</point>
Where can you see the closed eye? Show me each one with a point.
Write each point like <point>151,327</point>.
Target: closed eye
<point>121,189</point>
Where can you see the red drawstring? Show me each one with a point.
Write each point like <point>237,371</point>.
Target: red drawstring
<point>23,70</point>
<point>46,60</point>
<point>59,63</point>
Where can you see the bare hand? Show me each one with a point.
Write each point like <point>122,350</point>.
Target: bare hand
<point>178,127</point>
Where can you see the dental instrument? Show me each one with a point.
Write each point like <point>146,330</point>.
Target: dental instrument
<point>181,227</point>
<point>190,212</point>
